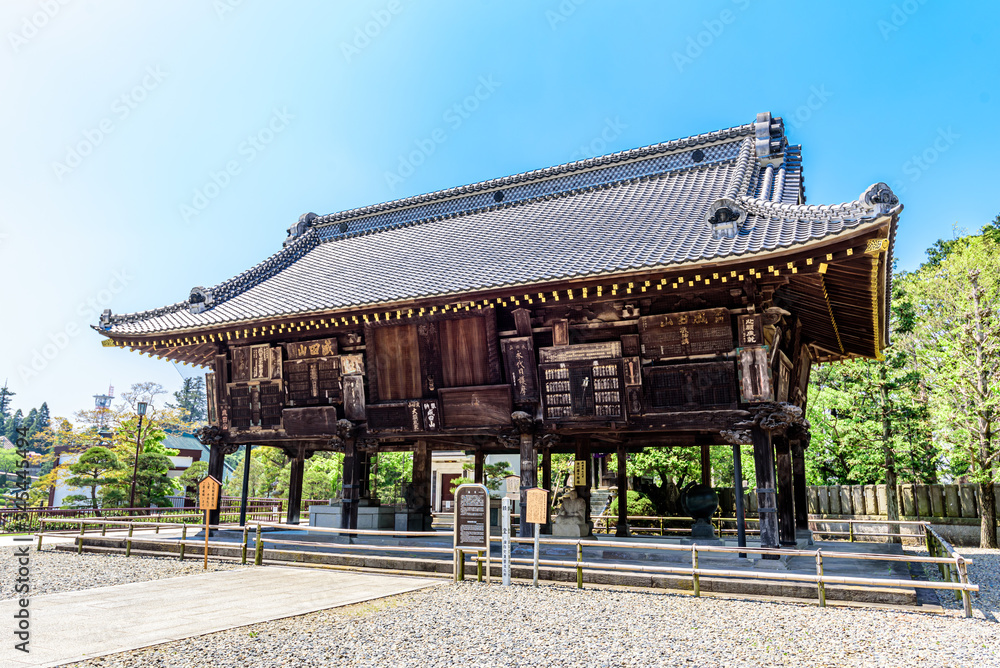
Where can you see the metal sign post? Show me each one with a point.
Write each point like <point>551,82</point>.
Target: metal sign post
<point>505,533</point>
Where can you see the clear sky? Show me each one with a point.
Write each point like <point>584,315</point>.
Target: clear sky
<point>149,147</point>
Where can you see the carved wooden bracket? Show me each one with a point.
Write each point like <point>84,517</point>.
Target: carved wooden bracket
<point>210,435</point>
<point>775,417</point>
<point>736,436</point>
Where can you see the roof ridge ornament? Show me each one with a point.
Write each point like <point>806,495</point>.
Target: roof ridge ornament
<point>725,216</point>
<point>880,197</point>
<point>200,300</point>
<point>296,230</point>
<point>769,138</point>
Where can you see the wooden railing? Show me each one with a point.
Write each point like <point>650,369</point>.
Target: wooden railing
<point>952,564</point>
<point>726,526</point>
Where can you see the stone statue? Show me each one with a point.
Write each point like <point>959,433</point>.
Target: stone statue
<point>572,518</point>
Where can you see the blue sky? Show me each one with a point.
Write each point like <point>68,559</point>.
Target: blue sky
<point>150,147</point>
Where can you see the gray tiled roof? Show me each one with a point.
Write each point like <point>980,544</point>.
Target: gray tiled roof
<point>645,208</point>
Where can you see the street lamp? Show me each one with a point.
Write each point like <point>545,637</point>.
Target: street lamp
<point>140,408</point>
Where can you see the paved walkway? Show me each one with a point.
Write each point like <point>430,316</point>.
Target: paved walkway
<point>77,625</point>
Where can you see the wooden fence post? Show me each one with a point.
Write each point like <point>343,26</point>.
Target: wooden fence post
<point>184,535</point>
<point>243,549</point>
<point>128,541</point>
<point>821,586</point>
<point>695,578</point>
<point>579,568</point>
<point>258,549</point>
<point>963,576</point>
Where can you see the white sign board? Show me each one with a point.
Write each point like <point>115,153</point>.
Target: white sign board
<point>505,523</point>
<point>513,486</point>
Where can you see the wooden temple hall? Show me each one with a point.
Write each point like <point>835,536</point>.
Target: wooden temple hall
<point>674,295</point>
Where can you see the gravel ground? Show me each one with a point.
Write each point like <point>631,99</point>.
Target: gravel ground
<point>53,572</point>
<point>471,624</point>
<point>984,571</point>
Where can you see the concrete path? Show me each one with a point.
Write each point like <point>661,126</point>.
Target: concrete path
<point>77,625</point>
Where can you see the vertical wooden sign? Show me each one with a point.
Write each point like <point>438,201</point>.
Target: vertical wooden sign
<point>208,498</point>
<point>519,359</point>
<point>751,331</point>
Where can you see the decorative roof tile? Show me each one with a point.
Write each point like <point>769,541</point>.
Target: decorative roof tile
<point>641,209</point>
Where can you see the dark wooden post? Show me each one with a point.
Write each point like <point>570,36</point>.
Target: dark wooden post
<point>741,533</point>
<point>354,473</point>
<point>529,478</point>
<point>799,484</point>
<point>421,484</point>
<point>295,486</point>
<point>547,483</point>
<point>583,454</point>
<point>622,529</point>
<point>246,485</point>
<point>480,465</point>
<point>365,459</point>
<point>786,499</point>
<point>706,466</point>
<point>763,463</point>
<point>216,469</point>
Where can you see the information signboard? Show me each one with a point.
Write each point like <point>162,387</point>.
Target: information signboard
<point>512,485</point>
<point>538,506</point>
<point>580,473</point>
<point>472,517</point>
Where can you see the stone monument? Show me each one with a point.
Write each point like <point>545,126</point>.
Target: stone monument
<point>571,521</point>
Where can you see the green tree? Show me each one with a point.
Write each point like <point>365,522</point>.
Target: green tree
<point>96,467</point>
<point>191,400</point>
<point>189,479</point>
<point>5,399</point>
<point>13,424</point>
<point>494,475</point>
<point>957,305</point>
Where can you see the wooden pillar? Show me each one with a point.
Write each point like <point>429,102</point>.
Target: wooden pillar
<point>365,462</point>
<point>741,534</point>
<point>786,498</point>
<point>295,486</point>
<point>763,463</point>
<point>216,469</point>
<point>246,485</point>
<point>480,465</point>
<point>547,483</point>
<point>622,528</point>
<point>799,485</point>
<point>351,485</point>
<point>529,478</point>
<point>706,466</point>
<point>421,484</point>
<point>583,454</point>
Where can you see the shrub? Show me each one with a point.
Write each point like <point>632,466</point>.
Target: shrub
<point>638,504</point>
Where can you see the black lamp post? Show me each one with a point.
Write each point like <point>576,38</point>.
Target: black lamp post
<point>140,408</point>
